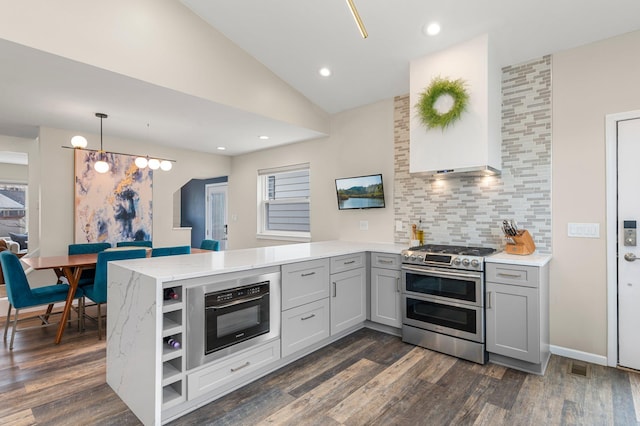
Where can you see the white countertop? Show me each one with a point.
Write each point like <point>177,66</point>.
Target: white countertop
<point>535,259</point>
<point>169,268</point>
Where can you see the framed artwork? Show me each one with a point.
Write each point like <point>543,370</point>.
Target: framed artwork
<point>113,206</point>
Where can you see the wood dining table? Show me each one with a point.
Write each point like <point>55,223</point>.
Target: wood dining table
<point>71,267</point>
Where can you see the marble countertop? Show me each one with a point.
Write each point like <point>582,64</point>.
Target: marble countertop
<point>169,268</point>
<point>535,259</point>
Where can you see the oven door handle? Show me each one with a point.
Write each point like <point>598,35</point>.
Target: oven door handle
<point>237,302</point>
<point>441,273</point>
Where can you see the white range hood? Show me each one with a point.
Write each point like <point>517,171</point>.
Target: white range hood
<point>471,145</point>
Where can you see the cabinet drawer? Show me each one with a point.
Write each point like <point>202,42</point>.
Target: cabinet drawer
<point>234,368</point>
<point>385,260</point>
<point>527,276</point>
<point>347,262</point>
<point>304,282</point>
<point>304,326</point>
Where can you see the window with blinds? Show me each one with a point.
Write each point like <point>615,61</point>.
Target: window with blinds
<point>284,204</point>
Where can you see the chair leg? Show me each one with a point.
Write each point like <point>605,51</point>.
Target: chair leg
<point>81,314</point>
<point>13,332</point>
<point>99,323</point>
<point>6,323</point>
<point>46,315</point>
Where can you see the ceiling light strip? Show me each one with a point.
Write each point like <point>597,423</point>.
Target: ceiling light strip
<point>356,16</point>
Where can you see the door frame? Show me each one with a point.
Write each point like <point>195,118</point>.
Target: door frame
<point>611,167</point>
<point>207,219</point>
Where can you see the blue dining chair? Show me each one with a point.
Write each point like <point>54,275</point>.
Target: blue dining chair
<point>134,244</point>
<point>21,295</point>
<point>170,251</point>
<point>97,292</point>
<point>212,245</point>
<point>87,248</point>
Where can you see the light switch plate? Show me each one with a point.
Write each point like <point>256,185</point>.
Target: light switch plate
<point>364,225</point>
<point>398,225</point>
<point>583,230</point>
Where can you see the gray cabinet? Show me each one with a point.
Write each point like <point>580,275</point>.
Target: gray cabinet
<point>517,315</point>
<point>385,289</point>
<point>305,304</point>
<point>348,292</point>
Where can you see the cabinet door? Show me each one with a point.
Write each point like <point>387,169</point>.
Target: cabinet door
<point>348,294</point>
<point>304,326</point>
<point>385,297</point>
<point>513,321</point>
<point>304,282</point>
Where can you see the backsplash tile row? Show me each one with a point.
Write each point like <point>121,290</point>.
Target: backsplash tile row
<point>469,210</point>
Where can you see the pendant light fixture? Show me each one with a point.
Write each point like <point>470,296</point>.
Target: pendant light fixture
<point>101,165</point>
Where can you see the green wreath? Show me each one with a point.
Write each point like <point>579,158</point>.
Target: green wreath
<point>440,86</point>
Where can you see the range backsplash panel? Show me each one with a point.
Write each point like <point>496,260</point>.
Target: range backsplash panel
<point>469,210</point>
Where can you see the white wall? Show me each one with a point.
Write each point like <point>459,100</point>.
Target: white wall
<point>56,193</point>
<point>360,142</point>
<point>588,83</point>
<point>160,42</point>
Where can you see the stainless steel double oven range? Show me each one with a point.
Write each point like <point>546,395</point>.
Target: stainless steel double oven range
<point>443,299</point>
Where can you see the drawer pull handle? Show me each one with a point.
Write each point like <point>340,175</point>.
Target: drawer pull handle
<point>502,274</point>
<point>335,289</point>
<point>398,285</point>
<point>488,300</point>
<point>349,262</point>
<point>308,274</point>
<point>246,364</point>
<point>309,317</point>
<point>388,262</point>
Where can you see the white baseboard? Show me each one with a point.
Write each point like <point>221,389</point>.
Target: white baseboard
<point>578,355</point>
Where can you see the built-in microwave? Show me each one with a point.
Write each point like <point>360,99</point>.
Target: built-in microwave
<point>230,315</point>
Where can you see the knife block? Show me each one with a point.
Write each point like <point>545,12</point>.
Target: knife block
<point>522,244</point>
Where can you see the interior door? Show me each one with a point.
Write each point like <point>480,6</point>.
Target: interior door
<point>628,267</point>
<point>216,213</point>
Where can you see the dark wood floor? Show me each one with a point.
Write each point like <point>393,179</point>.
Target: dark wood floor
<point>366,378</point>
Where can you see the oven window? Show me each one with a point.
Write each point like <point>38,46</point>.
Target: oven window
<point>238,320</point>
<point>453,288</point>
<point>454,317</point>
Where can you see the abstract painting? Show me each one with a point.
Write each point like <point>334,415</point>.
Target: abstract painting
<point>113,206</point>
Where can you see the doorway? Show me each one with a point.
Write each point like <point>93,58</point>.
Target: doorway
<point>216,213</point>
<point>623,215</point>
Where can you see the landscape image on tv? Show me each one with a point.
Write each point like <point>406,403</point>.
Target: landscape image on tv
<point>362,192</point>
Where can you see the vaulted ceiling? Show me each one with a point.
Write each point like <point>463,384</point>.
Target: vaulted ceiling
<point>294,39</point>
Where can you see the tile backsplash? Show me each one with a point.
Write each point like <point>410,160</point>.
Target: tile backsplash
<point>469,210</point>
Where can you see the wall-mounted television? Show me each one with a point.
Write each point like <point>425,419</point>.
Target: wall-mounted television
<point>360,192</point>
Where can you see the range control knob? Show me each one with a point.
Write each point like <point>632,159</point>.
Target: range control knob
<point>457,261</point>
<point>414,258</point>
<point>465,262</point>
<point>406,257</point>
<point>475,263</point>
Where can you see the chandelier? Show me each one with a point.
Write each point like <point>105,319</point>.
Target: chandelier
<point>102,166</point>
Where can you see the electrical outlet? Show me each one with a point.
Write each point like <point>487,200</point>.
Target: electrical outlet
<point>364,225</point>
<point>398,225</point>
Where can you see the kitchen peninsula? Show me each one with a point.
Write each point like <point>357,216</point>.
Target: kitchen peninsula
<point>158,382</point>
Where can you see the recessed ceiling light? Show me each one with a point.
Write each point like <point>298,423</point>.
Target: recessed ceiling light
<point>324,71</point>
<point>263,137</point>
<point>432,29</point>
<point>221,148</point>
